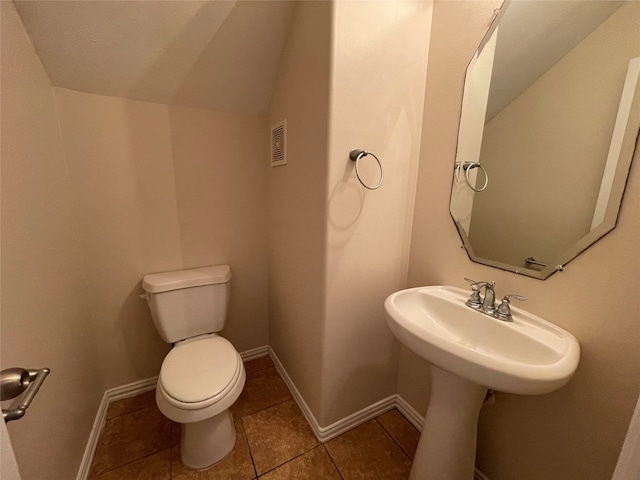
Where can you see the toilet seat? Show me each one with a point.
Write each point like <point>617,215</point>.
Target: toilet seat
<point>199,373</point>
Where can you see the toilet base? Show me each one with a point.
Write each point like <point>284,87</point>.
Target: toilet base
<point>208,441</point>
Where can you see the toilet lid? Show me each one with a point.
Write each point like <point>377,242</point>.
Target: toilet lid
<point>199,370</point>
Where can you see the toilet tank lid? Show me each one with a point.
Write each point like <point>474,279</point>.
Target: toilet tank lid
<point>195,277</point>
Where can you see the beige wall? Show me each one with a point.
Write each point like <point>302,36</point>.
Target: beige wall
<point>573,107</point>
<point>297,202</point>
<point>577,431</point>
<point>121,180</point>
<point>163,188</point>
<point>220,161</point>
<point>335,249</point>
<point>46,320</point>
<point>368,232</point>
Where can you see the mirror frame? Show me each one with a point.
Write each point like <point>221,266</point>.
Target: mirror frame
<point>629,148</point>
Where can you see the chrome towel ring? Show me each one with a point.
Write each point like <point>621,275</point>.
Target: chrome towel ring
<point>355,155</point>
<point>467,167</point>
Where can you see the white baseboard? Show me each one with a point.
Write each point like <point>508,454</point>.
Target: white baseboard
<point>92,443</point>
<point>111,395</point>
<point>255,353</point>
<point>409,413</point>
<point>323,434</point>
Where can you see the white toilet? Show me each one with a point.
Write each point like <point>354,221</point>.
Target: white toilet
<point>203,374</point>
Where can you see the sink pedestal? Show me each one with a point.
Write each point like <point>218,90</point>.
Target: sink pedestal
<point>447,446</point>
<point>527,356</point>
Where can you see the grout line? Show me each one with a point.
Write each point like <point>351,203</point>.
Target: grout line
<point>249,445</point>
<point>135,459</point>
<point>139,458</point>
<point>332,460</point>
<point>132,461</point>
<point>246,439</point>
<point>394,440</point>
<point>267,408</point>
<point>292,458</point>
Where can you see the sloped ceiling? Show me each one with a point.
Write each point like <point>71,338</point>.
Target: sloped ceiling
<point>533,36</point>
<point>217,55</point>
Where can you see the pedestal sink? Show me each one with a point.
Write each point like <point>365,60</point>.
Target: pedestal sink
<point>469,353</point>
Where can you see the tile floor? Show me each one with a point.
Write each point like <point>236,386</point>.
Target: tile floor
<point>274,441</point>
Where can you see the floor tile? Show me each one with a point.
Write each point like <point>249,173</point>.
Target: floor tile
<point>401,430</point>
<point>258,364</point>
<point>139,443</point>
<point>313,465</point>
<point>130,437</point>
<point>237,465</point>
<point>153,467</point>
<point>277,435</point>
<point>131,404</point>
<point>263,389</point>
<point>368,452</point>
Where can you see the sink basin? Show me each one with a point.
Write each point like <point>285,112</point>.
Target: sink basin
<point>470,352</point>
<point>526,356</point>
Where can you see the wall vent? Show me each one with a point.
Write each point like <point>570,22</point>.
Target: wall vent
<point>279,144</point>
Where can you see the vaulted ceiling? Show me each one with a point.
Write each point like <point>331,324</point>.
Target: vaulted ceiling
<point>218,55</point>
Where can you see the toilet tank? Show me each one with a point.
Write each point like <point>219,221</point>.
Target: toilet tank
<point>186,303</point>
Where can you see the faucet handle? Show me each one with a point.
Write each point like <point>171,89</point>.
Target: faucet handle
<point>476,286</point>
<point>517,297</point>
<point>474,300</point>
<point>503,312</point>
<point>473,283</point>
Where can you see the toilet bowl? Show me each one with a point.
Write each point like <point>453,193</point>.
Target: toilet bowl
<point>203,374</point>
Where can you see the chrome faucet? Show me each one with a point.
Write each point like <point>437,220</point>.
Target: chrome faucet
<point>487,304</point>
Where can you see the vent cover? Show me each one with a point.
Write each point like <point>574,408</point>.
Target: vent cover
<point>279,144</point>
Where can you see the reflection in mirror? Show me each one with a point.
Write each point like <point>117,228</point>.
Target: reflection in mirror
<point>549,122</point>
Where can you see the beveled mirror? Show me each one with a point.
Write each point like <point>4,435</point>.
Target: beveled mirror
<point>548,129</point>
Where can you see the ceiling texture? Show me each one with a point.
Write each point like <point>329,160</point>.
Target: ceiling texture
<point>216,55</point>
